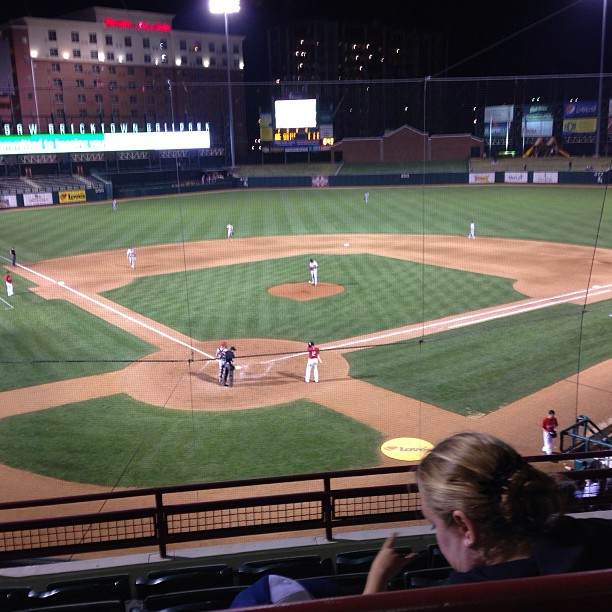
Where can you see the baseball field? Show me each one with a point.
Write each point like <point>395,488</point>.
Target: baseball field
<point>108,377</point>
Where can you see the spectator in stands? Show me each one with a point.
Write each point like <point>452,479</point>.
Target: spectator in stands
<point>496,516</point>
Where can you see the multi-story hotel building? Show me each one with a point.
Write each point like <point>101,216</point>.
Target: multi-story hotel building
<point>104,66</point>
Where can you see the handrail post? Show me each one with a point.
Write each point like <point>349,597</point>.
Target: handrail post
<point>161,525</point>
<point>327,508</point>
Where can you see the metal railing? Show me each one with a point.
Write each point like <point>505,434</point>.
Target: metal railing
<point>161,517</point>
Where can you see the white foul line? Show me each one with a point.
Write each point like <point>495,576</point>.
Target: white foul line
<point>119,313</point>
<point>462,321</point>
<point>7,303</point>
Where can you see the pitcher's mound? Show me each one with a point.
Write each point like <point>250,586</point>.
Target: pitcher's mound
<point>305,291</point>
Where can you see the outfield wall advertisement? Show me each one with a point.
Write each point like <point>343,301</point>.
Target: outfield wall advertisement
<point>37,199</point>
<point>580,118</point>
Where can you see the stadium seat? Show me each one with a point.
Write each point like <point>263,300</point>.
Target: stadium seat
<point>435,558</point>
<point>184,579</point>
<point>14,598</point>
<point>348,584</point>
<point>359,560</point>
<point>308,566</point>
<point>425,577</point>
<point>98,588</point>
<point>221,597</point>
<point>83,606</point>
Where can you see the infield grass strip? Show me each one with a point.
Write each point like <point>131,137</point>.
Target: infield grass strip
<point>45,341</point>
<point>117,441</point>
<point>478,369</point>
<point>379,294</point>
<point>557,214</point>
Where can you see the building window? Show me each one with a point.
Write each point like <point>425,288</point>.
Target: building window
<point>76,53</point>
<point>97,83</point>
<point>115,99</point>
<point>133,99</point>
<point>55,68</point>
<point>134,114</point>
<point>108,40</point>
<point>52,35</point>
<point>183,45</point>
<point>197,47</point>
<point>213,61</point>
<point>82,112</point>
<point>236,49</point>
<point>211,47</point>
<point>78,67</point>
<point>110,56</point>
<point>58,97</point>
<point>53,52</point>
<point>93,54</point>
<point>148,72</point>
<point>163,44</point>
<point>112,85</point>
<point>164,58</point>
<point>99,98</point>
<point>82,98</point>
<point>198,60</point>
<point>129,57</point>
<point>146,43</point>
<point>224,48</point>
<point>112,70</point>
<point>95,69</point>
<point>57,83</point>
<point>131,84</point>
<point>183,60</point>
<point>74,37</point>
<point>127,41</point>
<point>147,58</point>
<point>130,71</point>
<point>93,38</point>
<point>80,83</point>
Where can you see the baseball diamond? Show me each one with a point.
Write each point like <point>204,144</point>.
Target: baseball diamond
<point>182,372</point>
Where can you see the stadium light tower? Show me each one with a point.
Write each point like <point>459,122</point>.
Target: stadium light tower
<point>33,56</point>
<point>227,7</point>
<point>602,47</point>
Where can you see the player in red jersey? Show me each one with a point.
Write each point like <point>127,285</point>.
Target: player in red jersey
<point>312,364</point>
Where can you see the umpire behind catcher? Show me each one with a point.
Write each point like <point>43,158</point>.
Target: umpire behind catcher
<point>228,370</point>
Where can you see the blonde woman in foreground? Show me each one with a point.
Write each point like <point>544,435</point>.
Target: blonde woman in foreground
<point>496,517</point>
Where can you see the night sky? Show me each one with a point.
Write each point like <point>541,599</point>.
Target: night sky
<point>520,37</point>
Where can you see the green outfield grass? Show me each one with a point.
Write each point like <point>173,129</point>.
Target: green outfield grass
<point>45,341</point>
<point>557,214</point>
<point>479,369</point>
<point>129,444</point>
<point>379,293</point>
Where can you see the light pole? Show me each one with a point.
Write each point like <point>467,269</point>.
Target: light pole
<point>601,70</point>
<point>33,56</point>
<point>227,7</point>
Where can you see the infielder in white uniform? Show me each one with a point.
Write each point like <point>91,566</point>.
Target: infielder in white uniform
<point>313,266</point>
<point>230,230</point>
<point>131,255</point>
<point>472,233</point>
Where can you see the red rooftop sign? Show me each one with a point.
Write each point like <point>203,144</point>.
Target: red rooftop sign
<point>125,24</point>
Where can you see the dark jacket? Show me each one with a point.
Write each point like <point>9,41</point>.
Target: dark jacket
<point>574,545</point>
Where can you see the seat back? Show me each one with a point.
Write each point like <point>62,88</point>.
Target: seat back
<point>98,588</point>
<point>221,597</point>
<point>308,566</point>
<point>184,579</point>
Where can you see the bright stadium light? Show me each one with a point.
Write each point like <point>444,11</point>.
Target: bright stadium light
<point>227,7</point>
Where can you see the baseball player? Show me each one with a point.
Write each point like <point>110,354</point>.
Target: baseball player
<point>549,431</point>
<point>230,230</point>
<point>312,365</point>
<point>220,356</point>
<point>313,266</point>
<point>9,284</point>
<point>114,204</point>
<point>366,196</point>
<point>131,255</point>
<point>472,233</point>
<point>228,370</point>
